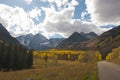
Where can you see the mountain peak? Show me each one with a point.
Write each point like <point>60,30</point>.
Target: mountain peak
<point>92,33</point>
<point>38,41</point>
<point>6,37</point>
<point>75,38</point>
<point>76,33</point>
<point>82,33</point>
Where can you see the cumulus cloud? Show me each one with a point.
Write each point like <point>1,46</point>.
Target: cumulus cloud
<point>16,20</point>
<point>56,21</point>
<point>28,1</point>
<point>104,12</point>
<point>55,16</point>
<point>83,15</point>
<point>68,28</point>
<point>35,13</point>
<point>60,3</point>
<point>61,22</point>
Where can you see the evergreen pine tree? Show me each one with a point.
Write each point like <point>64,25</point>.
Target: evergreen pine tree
<point>30,59</point>
<point>1,54</point>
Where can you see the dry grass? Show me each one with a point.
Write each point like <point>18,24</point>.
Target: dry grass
<point>116,61</point>
<point>54,70</point>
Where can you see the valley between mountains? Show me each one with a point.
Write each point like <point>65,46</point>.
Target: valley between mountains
<point>78,57</point>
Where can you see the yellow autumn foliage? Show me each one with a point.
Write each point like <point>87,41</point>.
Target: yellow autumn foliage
<point>72,55</point>
<point>115,54</point>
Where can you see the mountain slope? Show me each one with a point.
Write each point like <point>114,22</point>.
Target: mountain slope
<point>39,42</point>
<point>55,41</point>
<point>25,39</point>
<point>106,41</point>
<point>6,37</point>
<point>74,39</point>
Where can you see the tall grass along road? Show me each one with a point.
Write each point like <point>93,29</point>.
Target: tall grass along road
<point>108,71</point>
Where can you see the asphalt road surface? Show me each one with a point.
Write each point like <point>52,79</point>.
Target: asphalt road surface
<point>108,71</point>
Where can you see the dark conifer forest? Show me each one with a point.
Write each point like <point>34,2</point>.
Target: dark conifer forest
<point>15,57</point>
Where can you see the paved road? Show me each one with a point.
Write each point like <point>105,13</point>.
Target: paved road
<point>108,71</point>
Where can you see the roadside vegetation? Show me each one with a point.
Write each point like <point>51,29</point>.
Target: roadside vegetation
<point>58,65</point>
<point>62,70</point>
<point>114,56</point>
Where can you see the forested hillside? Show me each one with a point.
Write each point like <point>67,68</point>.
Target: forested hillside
<point>13,55</point>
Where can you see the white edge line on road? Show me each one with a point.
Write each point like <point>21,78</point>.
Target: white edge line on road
<point>116,68</point>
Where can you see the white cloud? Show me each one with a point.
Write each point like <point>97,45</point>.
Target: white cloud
<point>28,1</point>
<point>60,3</point>
<point>16,20</point>
<point>83,14</point>
<point>35,13</point>
<point>68,28</point>
<point>65,14</point>
<point>55,16</point>
<point>74,2</point>
<point>104,12</point>
<point>20,22</point>
<point>61,22</point>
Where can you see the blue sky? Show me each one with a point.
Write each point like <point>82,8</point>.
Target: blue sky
<point>58,18</point>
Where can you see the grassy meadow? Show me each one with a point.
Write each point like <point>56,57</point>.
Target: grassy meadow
<point>62,70</point>
<point>56,69</point>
